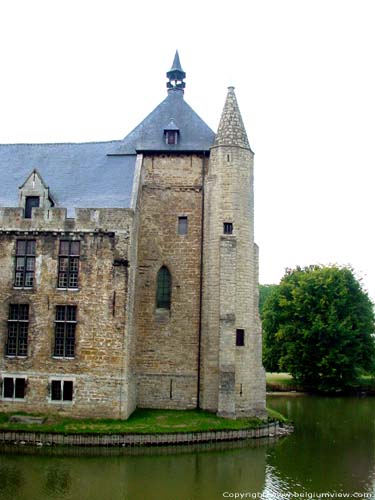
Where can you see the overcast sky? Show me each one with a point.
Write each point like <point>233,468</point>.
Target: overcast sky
<point>304,73</point>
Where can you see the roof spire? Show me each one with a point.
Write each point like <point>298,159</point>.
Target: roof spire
<point>176,75</point>
<point>231,130</point>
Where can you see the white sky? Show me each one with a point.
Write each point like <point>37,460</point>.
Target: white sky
<point>304,73</point>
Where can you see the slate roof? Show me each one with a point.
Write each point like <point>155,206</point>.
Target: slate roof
<point>100,174</point>
<point>194,134</point>
<point>78,175</point>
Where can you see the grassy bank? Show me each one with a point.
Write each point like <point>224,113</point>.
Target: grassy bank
<point>281,382</point>
<point>284,382</point>
<point>140,422</point>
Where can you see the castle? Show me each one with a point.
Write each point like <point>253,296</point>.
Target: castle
<point>129,272</point>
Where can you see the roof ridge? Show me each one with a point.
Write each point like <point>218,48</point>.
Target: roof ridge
<point>60,143</point>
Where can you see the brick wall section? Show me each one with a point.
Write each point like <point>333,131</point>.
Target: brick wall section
<point>167,340</point>
<point>99,368</point>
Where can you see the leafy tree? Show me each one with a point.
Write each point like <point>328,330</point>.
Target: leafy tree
<point>264,292</point>
<point>318,325</point>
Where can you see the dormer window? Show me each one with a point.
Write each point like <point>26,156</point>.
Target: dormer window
<point>171,137</point>
<point>171,132</point>
<point>30,203</point>
<point>34,193</point>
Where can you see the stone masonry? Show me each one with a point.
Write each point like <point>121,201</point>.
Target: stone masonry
<point>101,383</point>
<point>233,379</point>
<point>147,295</point>
<point>167,340</point>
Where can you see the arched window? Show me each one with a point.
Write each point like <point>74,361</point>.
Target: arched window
<point>163,289</point>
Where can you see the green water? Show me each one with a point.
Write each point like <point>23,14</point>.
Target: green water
<point>332,450</point>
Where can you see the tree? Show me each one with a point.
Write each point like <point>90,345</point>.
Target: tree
<point>264,292</point>
<point>318,325</point>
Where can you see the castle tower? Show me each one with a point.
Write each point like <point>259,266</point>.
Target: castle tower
<point>232,376</point>
<point>172,146</point>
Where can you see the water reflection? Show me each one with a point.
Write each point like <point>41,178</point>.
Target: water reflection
<point>11,478</point>
<point>332,449</point>
<point>57,481</point>
<point>200,471</point>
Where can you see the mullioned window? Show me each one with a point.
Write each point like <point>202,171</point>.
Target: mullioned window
<point>18,326</point>
<point>25,263</point>
<point>69,252</point>
<point>65,331</point>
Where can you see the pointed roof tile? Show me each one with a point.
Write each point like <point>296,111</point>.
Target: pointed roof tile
<point>231,130</point>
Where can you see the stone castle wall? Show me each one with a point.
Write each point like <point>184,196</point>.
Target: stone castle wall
<point>168,340</point>
<point>232,376</point>
<point>101,381</point>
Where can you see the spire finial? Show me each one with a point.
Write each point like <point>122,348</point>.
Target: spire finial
<point>176,75</point>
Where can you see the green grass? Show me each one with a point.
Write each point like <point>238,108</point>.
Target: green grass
<point>281,382</point>
<point>285,382</point>
<point>275,415</point>
<point>140,422</point>
<point>279,378</point>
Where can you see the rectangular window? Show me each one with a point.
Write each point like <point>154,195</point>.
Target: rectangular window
<point>18,326</point>
<point>25,263</point>
<point>62,390</point>
<point>228,228</point>
<point>65,331</point>
<point>171,136</point>
<point>14,387</point>
<point>182,225</point>
<point>31,202</point>
<point>69,252</point>
<point>240,338</point>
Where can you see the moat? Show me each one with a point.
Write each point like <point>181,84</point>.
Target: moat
<point>332,450</point>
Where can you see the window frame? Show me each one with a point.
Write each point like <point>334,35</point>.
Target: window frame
<point>61,381</point>
<point>66,333</point>
<point>240,337</point>
<point>27,256</point>
<point>18,335</point>
<point>171,137</point>
<point>71,259</point>
<point>29,207</point>
<point>164,289</point>
<point>183,227</point>
<point>227,228</point>
<point>14,379</point>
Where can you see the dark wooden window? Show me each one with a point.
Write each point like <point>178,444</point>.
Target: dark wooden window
<point>240,338</point>
<point>182,225</point>
<point>61,390</point>
<point>14,387</point>
<point>25,263</point>
<point>31,202</point>
<point>69,252</point>
<point>18,326</point>
<point>65,331</point>
<point>171,136</point>
<point>163,289</point>
<point>228,228</point>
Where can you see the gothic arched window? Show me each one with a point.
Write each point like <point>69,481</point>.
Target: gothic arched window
<point>163,289</point>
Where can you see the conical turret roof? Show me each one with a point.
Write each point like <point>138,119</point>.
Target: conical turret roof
<point>231,130</point>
